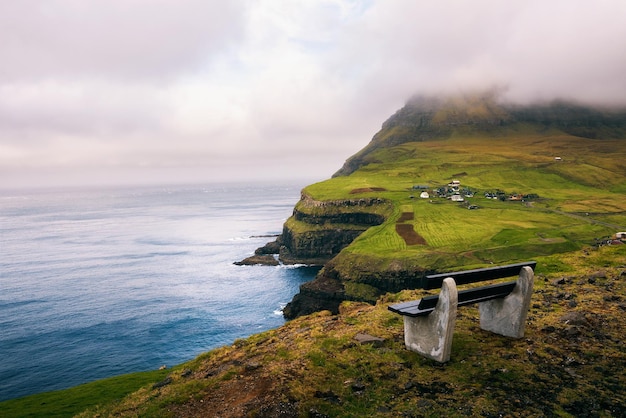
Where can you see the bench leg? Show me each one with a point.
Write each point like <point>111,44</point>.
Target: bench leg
<point>431,335</point>
<point>507,316</point>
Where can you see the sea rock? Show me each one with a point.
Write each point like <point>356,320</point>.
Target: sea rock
<point>264,260</point>
<point>269,248</point>
<point>323,293</point>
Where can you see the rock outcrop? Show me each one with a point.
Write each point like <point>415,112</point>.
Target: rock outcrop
<point>321,294</point>
<point>264,260</point>
<point>335,283</point>
<point>317,231</point>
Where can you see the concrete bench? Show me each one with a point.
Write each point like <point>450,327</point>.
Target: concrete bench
<point>503,307</point>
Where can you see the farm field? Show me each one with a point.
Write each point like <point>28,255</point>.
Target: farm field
<point>575,199</point>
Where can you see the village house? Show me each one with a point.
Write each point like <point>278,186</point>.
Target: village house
<point>457,198</point>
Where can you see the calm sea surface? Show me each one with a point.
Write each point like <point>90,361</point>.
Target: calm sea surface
<point>96,283</point>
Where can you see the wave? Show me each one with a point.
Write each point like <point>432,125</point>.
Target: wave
<point>5,304</point>
<point>279,311</point>
<point>294,266</point>
<point>248,238</point>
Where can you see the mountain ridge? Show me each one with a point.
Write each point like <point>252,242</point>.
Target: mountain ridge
<point>432,117</point>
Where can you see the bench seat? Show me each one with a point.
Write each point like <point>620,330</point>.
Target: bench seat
<point>426,305</point>
<point>434,281</point>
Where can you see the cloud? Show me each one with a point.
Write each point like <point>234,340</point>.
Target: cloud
<point>134,39</point>
<point>539,49</point>
<point>195,90</point>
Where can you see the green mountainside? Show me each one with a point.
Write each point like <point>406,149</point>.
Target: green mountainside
<point>428,118</point>
<point>447,184</point>
<point>505,183</point>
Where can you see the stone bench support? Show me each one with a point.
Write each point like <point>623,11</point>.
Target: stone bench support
<point>431,335</point>
<point>507,316</point>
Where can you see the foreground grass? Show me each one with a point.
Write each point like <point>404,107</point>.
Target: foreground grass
<point>69,402</point>
<point>570,363</point>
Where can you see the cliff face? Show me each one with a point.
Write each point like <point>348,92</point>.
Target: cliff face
<point>331,287</point>
<point>317,231</point>
<point>315,247</point>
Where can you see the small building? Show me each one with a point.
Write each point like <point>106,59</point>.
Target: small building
<point>454,185</point>
<point>424,195</point>
<point>457,198</point>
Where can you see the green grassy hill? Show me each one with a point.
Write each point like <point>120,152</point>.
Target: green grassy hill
<point>574,202</point>
<point>557,192</point>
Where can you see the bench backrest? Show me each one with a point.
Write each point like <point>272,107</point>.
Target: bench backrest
<point>434,281</point>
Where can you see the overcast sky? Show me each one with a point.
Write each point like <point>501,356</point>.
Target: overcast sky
<point>164,91</point>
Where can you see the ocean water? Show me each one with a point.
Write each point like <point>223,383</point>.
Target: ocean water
<point>97,283</point>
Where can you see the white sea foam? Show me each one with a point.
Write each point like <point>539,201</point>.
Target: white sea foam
<point>291,266</point>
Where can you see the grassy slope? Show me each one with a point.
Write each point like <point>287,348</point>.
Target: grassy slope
<point>67,403</point>
<point>580,197</point>
<point>562,367</point>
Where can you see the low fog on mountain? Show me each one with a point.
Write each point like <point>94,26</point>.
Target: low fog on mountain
<point>101,92</point>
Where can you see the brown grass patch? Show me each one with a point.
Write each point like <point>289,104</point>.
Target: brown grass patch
<point>247,395</point>
<point>406,216</point>
<point>409,235</point>
<point>368,189</point>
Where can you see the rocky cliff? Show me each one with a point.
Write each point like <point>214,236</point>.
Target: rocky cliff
<point>317,231</point>
<point>332,286</point>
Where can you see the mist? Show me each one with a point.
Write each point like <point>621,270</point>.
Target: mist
<point>137,92</point>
